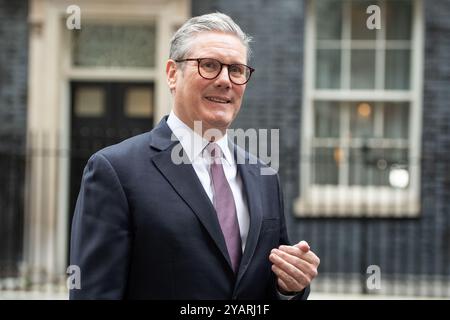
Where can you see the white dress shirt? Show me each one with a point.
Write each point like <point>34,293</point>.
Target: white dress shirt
<point>193,144</point>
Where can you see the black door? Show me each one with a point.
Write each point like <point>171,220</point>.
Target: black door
<point>102,114</point>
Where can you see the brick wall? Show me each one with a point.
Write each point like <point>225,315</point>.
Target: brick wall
<point>13,115</point>
<point>13,67</point>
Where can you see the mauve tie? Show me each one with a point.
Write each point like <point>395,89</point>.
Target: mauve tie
<point>225,206</point>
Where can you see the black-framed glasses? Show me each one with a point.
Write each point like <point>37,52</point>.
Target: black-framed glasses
<point>209,68</point>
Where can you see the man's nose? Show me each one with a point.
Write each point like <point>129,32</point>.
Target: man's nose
<point>223,79</point>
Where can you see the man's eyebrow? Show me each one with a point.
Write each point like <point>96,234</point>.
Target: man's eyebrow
<point>220,60</point>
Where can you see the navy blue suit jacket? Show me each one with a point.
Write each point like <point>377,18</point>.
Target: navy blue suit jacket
<point>144,228</point>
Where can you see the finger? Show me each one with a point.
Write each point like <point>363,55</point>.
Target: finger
<point>291,284</point>
<point>292,259</point>
<point>309,256</point>
<point>304,266</point>
<point>282,285</point>
<point>303,245</point>
<point>288,268</point>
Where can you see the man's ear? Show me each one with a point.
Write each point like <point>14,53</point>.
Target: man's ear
<point>172,73</point>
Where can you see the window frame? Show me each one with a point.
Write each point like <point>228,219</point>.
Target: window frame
<point>358,201</point>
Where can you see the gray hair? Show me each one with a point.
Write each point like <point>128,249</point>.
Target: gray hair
<point>180,42</point>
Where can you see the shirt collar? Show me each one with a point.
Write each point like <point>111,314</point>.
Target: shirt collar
<point>192,143</point>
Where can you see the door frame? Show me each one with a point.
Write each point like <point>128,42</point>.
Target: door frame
<point>48,126</point>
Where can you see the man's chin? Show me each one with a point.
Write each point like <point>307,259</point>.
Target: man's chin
<point>217,123</point>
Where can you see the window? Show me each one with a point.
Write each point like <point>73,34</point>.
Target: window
<point>139,102</point>
<point>108,45</point>
<point>89,102</point>
<point>361,110</point>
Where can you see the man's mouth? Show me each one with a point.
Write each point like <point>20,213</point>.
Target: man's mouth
<point>218,99</point>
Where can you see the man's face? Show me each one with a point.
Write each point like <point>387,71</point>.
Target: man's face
<point>199,99</point>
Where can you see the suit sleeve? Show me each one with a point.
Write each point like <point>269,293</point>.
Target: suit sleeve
<point>284,239</point>
<point>100,239</point>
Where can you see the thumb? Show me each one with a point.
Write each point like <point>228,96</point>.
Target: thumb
<point>303,245</point>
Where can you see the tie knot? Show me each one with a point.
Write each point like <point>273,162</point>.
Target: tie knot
<point>214,150</point>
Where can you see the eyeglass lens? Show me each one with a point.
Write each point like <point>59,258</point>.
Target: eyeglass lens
<point>210,68</point>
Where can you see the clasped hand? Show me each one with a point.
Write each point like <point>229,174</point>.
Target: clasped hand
<point>295,266</point>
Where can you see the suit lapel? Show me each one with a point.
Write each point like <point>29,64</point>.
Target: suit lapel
<point>251,179</point>
<point>184,180</point>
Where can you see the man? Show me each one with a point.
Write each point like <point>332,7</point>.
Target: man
<point>149,227</point>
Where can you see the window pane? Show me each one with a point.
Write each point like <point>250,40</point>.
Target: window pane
<point>363,69</point>
<point>398,20</point>
<point>359,20</point>
<point>325,162</point>
<point>328,19</point>
<point>114,46</point>
<point>328,69</point>
<point>378,167</point>
<point>138,102</point>
<point>397,69</point>
<point>89,102</point>
<point>326,119</point>
<point>362,169</point>
<point>362,120</point>
<point>396,120</point>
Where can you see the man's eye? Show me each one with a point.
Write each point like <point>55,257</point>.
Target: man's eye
<point>210,65</point>
<point>236,69</point>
